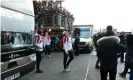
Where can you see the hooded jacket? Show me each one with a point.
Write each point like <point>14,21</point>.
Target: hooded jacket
<point>108,49</point>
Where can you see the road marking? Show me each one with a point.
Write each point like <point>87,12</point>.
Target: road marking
<point>86,75</point>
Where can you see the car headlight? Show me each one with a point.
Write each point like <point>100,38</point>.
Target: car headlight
<point>33,57</point>
<point>88,43</point>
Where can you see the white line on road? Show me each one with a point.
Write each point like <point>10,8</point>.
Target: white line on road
<point>86,75</point>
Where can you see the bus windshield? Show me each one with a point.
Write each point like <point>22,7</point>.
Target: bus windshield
<point>17,23</point>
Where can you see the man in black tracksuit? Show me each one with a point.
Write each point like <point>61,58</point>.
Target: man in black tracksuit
<point>108,50</point>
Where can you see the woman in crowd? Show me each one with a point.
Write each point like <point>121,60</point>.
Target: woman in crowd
<point>47,41</point>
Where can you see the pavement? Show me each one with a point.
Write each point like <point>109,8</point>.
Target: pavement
<point>94,74</point>
<point>82,68</point>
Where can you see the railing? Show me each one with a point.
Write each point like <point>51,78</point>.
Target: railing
<point>55,20</point>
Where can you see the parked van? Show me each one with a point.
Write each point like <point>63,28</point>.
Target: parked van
<point>85,33</point>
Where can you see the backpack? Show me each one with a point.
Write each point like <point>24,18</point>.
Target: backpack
<point>64,38</point>
<point>61,42</point>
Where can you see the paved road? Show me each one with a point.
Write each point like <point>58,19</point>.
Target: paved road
<point>94,74</point>
<point>53,68</point>
<point>80,70</point>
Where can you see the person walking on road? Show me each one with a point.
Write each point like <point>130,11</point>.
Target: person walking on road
<point>47,41</point>
<point>123,42</point>
<point>99,35</point>
<point>68,50</point>
<point>57,42</point>
<point>76,45</point>
<point>39,48</point>
<point>129,54</point>
<point>126,68</point>
<point>108,50</point>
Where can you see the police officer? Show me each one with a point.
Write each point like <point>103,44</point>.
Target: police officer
<point>96,38</point>
<point>76,45</point>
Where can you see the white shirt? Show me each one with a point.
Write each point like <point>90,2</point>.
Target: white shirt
<point>39,43</point>
<point>46,40</point>
<point>68,45</point>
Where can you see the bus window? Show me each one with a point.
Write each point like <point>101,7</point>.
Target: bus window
<point>16,38</point>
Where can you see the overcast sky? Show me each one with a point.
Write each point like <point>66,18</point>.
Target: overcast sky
<point>100,13</point>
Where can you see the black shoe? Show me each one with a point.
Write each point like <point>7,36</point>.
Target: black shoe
<point>39,71</point>
<point>97,67</point>
<point>122,75</point>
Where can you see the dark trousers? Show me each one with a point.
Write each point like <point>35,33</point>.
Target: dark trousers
<point>47,50</point>
<point>125,69</point>
<point>66,62</point>
<point>53,45</point>
<point>76,50</point>
<point>97,62</point>
<point>131,74</point>
<point>57,46</point>
<point>122,56</point>
<point>104,73</point>
<point>38,59</point>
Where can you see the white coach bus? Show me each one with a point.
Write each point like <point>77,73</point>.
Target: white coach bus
<point>17,35</point>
